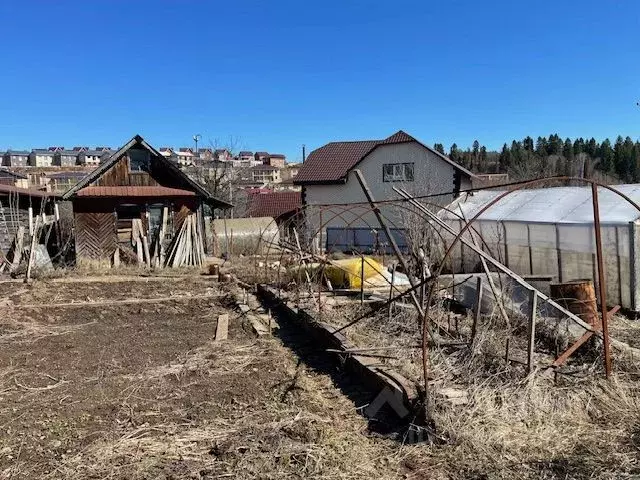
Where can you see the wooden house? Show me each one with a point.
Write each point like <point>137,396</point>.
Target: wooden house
<point>139,200</point>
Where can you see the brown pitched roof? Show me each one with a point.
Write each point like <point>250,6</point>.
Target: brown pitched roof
<point>274,204</point>
<point>332,162</point>
<point>125,191</point>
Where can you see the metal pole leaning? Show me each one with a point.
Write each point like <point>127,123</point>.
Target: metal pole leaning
<point>414,298</point>
<point>601,280</point>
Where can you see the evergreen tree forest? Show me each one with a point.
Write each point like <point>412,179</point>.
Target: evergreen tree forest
<point>617,162</point>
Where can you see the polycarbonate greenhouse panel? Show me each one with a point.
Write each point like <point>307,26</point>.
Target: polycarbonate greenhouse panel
<point>552,205</point>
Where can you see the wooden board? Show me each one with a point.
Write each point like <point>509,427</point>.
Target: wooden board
<point>222,328</point>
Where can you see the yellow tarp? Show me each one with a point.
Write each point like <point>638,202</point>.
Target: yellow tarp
<point>347,273</point>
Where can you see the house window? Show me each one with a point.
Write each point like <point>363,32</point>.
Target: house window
<point>397,172</point>
<point>138,160</point>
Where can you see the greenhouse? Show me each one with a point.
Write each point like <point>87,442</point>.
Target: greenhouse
<point>549,232</point>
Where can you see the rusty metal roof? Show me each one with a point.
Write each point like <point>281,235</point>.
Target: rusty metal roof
<point>125,191</point>
<point>332,162</point>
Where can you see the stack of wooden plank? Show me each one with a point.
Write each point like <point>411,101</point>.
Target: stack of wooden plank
<point>187,248</point>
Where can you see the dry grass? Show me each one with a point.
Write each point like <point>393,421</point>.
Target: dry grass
<point>513,426</point>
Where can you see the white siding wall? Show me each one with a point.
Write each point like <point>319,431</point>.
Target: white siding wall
<point>432,175</point>
<point>44,161</point>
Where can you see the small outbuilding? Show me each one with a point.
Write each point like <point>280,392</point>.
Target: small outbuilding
<point>133,207</point>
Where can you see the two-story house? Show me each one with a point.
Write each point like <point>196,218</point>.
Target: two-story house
<point>90,157</point>
<point>185,156</point>
<point>276,160</point>
<point>41,157</point>
<point>224,155</point>
<point>265,174</point>
<point>66,158</point>
<point>16,158</point>
<point>337,208</point>
<point>290,171</point>
<point>261,157</point>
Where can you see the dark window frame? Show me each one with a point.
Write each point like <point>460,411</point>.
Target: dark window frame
<point>407,174</point>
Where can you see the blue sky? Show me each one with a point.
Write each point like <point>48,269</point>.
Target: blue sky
<point>273,75</point>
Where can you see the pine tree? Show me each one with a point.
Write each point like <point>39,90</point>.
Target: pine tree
<point>454,153</point>
<point>438,147</point>
<point>504,160</point>
<point>541,147</point>
<point>516,152</point>
<point>527,144</point>
<point>605,152</point>
<point>483,163</point>
<point>555,144</point>
<point>567,151</point>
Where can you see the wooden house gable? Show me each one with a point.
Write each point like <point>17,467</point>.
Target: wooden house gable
<point>140,168</point>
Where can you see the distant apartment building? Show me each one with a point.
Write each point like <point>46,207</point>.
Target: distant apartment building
<point>90,157</point>
<point>41,157</point>
<point>66,158</point>
<point>80,149</point>
<point>276,160</point>
<point>265,174</point>
<point>16,158</point>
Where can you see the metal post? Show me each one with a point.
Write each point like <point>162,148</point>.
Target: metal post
<point>601,280</point>
<point>361,279</point>
<point>393,278</point>
<point>414,298</point>
<point>533,308</point>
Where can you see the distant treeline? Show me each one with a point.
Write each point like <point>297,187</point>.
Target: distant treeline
<point>553,156</point>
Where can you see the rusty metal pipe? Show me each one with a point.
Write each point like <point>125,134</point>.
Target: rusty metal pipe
<point>601,280</point>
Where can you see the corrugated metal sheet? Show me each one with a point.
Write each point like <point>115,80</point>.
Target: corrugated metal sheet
<point>552,205</point>
<point>124,191</point>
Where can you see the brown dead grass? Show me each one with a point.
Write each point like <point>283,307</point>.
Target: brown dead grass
<point>513,426</point>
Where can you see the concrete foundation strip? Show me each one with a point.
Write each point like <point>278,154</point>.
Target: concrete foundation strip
<point>365,369</point>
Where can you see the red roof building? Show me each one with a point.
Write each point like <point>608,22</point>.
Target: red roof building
<point>279,205</point>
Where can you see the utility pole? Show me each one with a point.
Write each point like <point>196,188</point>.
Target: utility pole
<point>196,138</point>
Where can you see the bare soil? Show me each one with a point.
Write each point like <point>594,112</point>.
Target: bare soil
<point>144,391</point>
